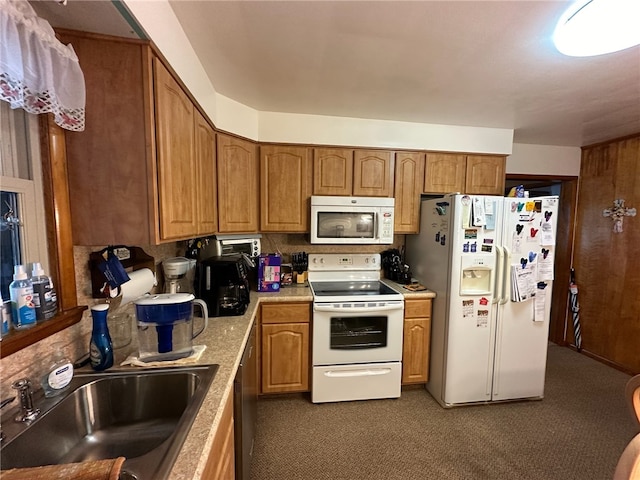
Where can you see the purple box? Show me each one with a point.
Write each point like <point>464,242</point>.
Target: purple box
<point>269,272</point>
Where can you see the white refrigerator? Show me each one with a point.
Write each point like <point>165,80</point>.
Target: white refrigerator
<point>489,260</point>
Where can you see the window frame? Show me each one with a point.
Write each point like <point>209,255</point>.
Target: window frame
<point>57,212</point>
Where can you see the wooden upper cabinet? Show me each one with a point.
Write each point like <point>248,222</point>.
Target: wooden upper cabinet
<point>485,175</point>
<point>372,173</point>
<point>332,171</point>
<point>140,173</point>
<point>285,188</point>
<point>237,162</point>
<point>473,174</point>
<point>111,164</point>
<point>177,181</point>
<point>445,173</point>
<point>207,198</point>
<point>409,172</point>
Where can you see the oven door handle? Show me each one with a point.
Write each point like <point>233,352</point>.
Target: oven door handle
<point>362,372</point>
<point>332,309</point>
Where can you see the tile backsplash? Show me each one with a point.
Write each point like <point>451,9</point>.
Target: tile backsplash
<point>32,361</point>
<point>285,244</point>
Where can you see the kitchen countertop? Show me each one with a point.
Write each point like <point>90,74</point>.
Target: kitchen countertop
<point>225,338</point>
<point>407,293</point>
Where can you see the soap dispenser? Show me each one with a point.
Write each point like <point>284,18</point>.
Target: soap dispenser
<point>100,346</point>
<point>58,374</point>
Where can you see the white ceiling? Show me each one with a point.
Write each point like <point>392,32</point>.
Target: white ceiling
<point>476,63</point>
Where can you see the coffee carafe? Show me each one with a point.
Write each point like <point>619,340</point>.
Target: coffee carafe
<point>222,282</point>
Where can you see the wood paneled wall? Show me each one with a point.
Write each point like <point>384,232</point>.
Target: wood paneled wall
<point>608,264</point>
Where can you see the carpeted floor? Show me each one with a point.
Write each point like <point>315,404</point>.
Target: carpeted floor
<point>578,431</point>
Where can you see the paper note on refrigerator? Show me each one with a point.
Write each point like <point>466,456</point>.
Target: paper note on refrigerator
<point>489,214</point>
<point>539,304</point>
<point>483,318</point>
<point>478,216</point>
<point>545,264</point>
<point>547,224</point>
<point>468,309</point>
<point>523,282</point>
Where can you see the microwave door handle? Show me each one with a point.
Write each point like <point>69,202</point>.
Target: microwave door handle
<point>375,225</point>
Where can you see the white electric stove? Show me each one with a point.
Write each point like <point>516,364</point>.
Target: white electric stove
<point>357,329</point>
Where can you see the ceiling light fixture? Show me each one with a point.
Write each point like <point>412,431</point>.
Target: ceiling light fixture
<point>595,27</point>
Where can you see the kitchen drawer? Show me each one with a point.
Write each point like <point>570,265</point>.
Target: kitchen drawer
<point>286,312</point>
<point>414,308</point>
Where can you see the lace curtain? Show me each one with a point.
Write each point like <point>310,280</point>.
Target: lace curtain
<point>37,72</point>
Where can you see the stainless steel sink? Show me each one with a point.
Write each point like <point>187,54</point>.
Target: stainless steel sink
<point>143,415</point>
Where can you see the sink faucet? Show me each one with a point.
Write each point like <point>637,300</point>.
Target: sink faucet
<point>27,411</point>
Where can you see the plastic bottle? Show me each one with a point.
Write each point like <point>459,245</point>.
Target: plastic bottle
<point>23,312</point>
<point>44,295</point>
<point>100,346</point>
<point>58,374</point>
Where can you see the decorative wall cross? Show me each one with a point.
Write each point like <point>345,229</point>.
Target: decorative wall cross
<point>617,214</point>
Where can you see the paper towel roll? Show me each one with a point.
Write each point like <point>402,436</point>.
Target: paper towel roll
<point>140,282</point>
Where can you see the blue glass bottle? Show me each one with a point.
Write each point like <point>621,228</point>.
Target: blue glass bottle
<point>100,347</point>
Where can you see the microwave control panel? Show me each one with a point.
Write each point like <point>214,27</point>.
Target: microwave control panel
<point>386,231</point>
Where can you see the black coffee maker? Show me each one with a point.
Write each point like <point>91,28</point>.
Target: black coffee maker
<point>223,283</point>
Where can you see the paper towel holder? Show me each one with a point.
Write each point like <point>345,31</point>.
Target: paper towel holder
<point>132,258</point>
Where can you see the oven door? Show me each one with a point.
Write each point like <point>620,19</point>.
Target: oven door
<point>357,332</point>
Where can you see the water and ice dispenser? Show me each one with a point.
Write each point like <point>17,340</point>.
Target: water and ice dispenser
<point>476,276</point>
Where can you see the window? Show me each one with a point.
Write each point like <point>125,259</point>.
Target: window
<point>22,220</point>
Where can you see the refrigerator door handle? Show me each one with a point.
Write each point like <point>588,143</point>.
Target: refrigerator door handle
<point>506,277</point>
<point>497,287</point>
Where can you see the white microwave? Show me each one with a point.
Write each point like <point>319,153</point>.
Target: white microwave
<point>351,220</point>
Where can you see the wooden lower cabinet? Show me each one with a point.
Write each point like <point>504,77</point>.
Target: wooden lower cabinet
<point>416,341</point>
<point>221,464</point>
<point>285,347</point>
